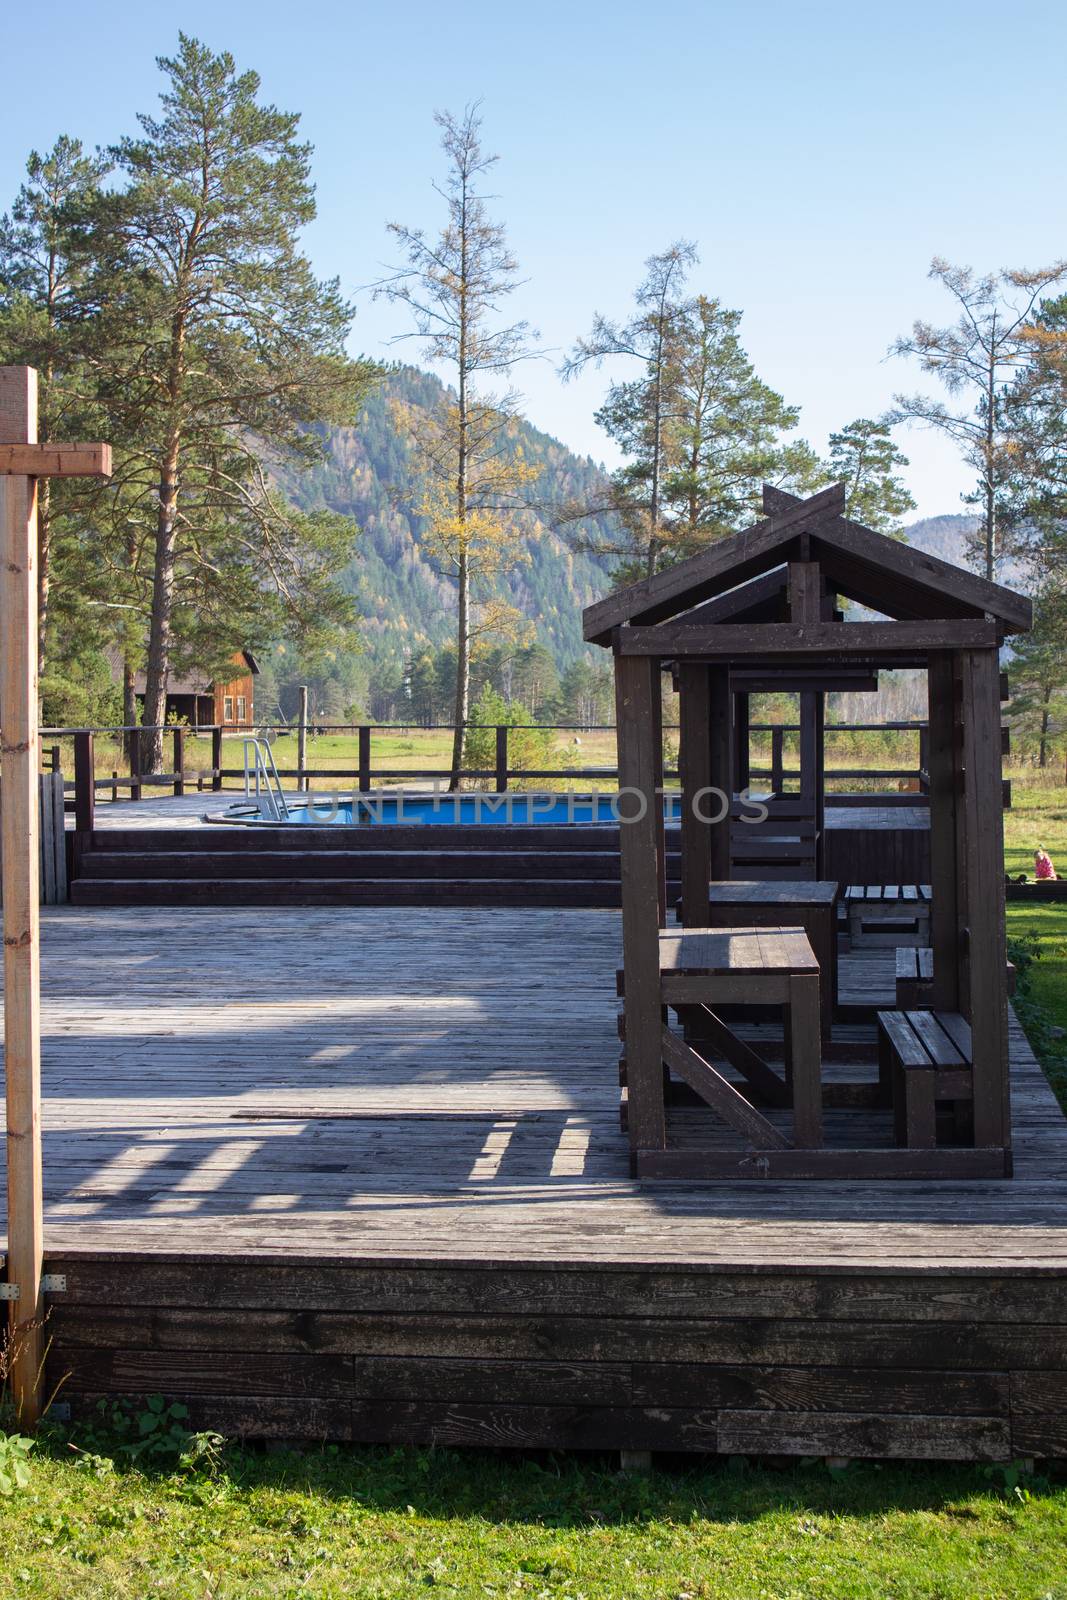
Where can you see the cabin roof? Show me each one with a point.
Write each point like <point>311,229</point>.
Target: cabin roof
<point>743,578</point>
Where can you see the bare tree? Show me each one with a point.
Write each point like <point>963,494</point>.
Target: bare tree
<point>978,358</point>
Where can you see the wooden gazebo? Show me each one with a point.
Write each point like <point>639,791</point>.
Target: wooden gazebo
<point>761,610</point>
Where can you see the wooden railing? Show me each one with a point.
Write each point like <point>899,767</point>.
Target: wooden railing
<point>362,774</point>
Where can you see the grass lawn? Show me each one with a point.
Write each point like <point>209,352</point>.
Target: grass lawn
<point>369,1522</point>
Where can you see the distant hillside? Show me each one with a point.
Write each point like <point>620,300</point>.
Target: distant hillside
<point>944,536</point>
<point>405,605</point>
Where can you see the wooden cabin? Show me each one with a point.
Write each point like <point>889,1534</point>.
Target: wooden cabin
<point>202,703</point>
<point>761,610</point>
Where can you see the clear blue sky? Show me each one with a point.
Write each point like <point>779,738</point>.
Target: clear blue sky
<point>819,154</point>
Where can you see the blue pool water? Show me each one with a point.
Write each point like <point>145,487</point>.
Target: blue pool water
<point>448,810</point>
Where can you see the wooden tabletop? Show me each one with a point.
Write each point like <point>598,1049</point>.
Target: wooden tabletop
<point>729,892</point>
<point>709,951</point>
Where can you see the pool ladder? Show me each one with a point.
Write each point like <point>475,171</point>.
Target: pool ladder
<point>262,783</point>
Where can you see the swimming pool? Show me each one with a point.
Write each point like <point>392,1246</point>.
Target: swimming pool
<point>451,810</point>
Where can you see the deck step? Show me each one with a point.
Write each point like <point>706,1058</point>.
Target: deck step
<point>295,891</point>
<point>600,866</point>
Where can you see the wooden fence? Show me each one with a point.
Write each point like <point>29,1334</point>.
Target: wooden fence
<point>53,841</point>
<point>362,774</point>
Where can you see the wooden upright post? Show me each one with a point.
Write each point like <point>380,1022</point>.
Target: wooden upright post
<point>636,693</point>
<point>22,462</point>
<point>694,762</point>
<point>22,953</point>
<point>984,856</point>
<point>944,764</point>
<point>302,740</point>
<point>722,766</point>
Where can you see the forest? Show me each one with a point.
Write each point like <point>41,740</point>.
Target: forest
<point>403,541</point>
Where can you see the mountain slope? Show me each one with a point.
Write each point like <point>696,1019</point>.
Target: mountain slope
<point>405,605</point>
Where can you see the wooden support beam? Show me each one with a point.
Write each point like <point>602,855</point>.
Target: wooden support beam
<point>22,461</point>
<point>637,689</point>
<point>720,705</point>
<point>742,746</point>
<point>944,761</point>
<point>22,972</point>
<point>720,1094</point>
<point>762,1079</point>
<point>979,673</point>
<point>805,592</point>
<point>694,775</point>
<point>55,460</point>
<point>867,640</point>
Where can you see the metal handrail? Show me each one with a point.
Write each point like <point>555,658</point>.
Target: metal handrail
<point>270,798</point>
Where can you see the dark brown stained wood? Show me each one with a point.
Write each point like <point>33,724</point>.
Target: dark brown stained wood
<point>832,640</point>
<point>720,1094</point>
<point>637,694</point>
<point>720,707</point>
<point>231,1373</point>
<point>266,1416</point>
<point>766,1083</point>
<point>915,569</point>
<point>920,1438</point>
<point>141,1300</point>
<point>824,1389</point>
<point>741,749</point>
<point>705,1166</point>
<point>988,1011</point>
<point>695,773</point>
<point>880,1342</point>
<point>806,592</point>
<point>724,566</point>
<point>945,758</point>
<point>760,599</point>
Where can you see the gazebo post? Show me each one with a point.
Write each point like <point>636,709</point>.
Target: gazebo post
<point>984,888</point>
<point>722,775</point>
<point>945,762</point>
<point>742,741</point>
<point>637,692</point>
<point>694,772</point>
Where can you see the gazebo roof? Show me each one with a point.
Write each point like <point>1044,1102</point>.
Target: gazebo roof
<point>744,578</point>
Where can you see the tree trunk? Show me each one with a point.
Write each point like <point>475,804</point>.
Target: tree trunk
<point>463,675</point>
<point>159,636</point>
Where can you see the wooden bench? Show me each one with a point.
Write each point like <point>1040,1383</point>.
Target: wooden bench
<point>924,1057</point>
<point>915,976</point>
<point>881,915</point>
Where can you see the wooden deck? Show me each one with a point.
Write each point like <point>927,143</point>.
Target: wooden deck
<point>359,1173</point>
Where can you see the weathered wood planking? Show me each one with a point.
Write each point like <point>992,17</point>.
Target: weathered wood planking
<point>368,1183</point>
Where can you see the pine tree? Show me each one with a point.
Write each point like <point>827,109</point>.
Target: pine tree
<point>638,414</point>
<point>864,458</point>
<point>1037,674</point>
<point>978,360</point>
<point>43,276</point>
<point>473,475</point>
<point>216,350</point>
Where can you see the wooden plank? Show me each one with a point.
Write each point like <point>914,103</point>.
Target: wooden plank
<point>790,1165</point>
<point>940,579</point>
<point>636,690</point>
<point>988,1012</point>
<point>21,893</point>
<point>804,1035</point>
<point>720,757</point>
<point>752,1067</point>
<point>695,773</point>
<point>672,640</point>
<point>55,460</point>
<point>720,1094</point>
<point>945,760</point>
<point>926,1438</point>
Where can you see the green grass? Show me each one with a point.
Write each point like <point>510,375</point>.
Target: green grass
<point>365,1522</point>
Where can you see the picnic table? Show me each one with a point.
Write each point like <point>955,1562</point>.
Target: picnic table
<point>810,904</point>
<point>704,967</point>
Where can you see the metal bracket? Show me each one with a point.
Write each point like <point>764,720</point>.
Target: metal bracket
<point>51,1283</point>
